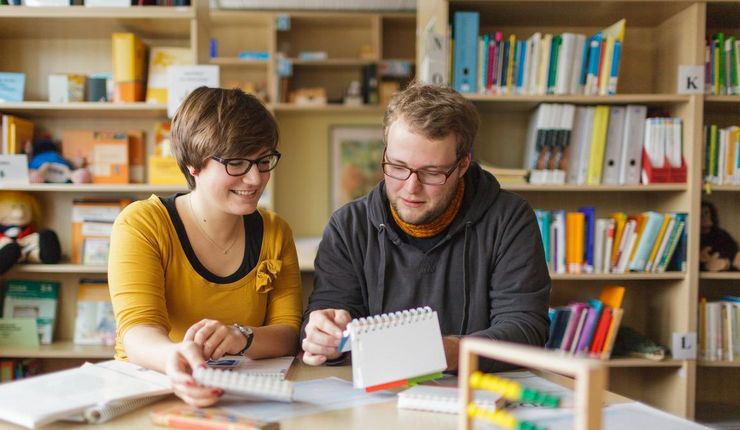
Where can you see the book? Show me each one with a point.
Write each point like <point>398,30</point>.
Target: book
<point>129,66</point>
<point>95,323</point>
<point>33,299</point>
<point>245,385</point>
<point>92,223</point>
<point>12,86</point>
<point>190,417</point>
<point>444,400</point>
<point>40,400</point>
<point>160,58</point>
<point>413,336</point>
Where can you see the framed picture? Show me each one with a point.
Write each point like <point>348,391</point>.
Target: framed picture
<point>356,154</point>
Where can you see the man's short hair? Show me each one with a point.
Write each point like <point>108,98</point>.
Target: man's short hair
<point>434,112</point>
<point>223,123</point>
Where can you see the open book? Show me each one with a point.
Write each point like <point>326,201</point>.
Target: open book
<point>43,399</point>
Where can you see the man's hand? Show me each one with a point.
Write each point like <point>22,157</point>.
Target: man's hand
<point>451,346</point>
<point>323,334</point>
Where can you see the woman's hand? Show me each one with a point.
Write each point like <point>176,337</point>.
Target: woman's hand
<point>215,338</point>
<point>179,368</point>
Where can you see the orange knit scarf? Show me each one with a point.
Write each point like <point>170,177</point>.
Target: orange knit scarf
<point>438,225</point>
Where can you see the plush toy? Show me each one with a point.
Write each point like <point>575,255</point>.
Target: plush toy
<point>20,241</point>
<point>718,250</point>
<point>47,165</point>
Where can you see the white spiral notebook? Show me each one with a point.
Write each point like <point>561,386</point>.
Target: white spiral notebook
<point>394,347</point>
<point>244,385</point>
<point>442,399</point>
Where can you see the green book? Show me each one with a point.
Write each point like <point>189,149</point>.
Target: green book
<point>33,299</point>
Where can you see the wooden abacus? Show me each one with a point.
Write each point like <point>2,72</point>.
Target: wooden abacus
<point>590,376</point>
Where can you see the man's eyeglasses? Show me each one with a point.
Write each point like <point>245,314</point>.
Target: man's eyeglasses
<point>240,166</point>
<point>426,177</point>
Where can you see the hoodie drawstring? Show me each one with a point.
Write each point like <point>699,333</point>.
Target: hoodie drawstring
<point>376,306</point>
<point>466,278</point>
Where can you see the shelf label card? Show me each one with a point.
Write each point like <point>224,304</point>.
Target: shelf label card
<point>690,79</point>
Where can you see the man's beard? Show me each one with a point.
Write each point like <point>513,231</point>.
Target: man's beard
<point>434,213</point>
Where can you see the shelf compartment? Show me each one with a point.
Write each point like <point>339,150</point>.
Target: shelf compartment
<point>60,349</point>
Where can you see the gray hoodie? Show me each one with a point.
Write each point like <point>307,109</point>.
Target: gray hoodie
<point>486,276</point>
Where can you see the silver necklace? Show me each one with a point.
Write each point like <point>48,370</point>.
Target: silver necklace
<point>213,242</point>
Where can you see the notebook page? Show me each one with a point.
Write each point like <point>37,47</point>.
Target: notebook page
<point>393,347</point>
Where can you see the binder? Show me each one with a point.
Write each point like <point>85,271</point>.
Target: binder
<point>395,347</point>
<point>614,140</point>
<point>466,44</point>
<point>630,159</point>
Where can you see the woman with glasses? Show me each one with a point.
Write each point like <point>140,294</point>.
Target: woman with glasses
<point>203,274</point>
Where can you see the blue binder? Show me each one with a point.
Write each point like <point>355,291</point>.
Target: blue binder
<point>466,51</point>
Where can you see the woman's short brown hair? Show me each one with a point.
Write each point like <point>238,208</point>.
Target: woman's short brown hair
<point>220,122</point>
<point>435,112</point>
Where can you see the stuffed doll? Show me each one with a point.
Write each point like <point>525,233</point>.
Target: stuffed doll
<point>47,165</point>
<point>20,241</point>
<point>718,250</point>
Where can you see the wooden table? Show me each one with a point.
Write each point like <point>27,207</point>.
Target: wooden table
<point>383,416</point>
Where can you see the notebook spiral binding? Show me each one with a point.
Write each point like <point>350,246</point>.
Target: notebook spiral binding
<point>383,321</point>
<point>245,385</point>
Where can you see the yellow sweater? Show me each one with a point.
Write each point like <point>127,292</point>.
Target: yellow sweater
<point>152,281</point>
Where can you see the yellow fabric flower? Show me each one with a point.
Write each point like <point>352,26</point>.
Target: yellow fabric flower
<point>267,271</point>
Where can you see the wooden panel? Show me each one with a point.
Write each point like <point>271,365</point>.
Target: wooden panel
<point>399,37</point>
<point>340,37</point>
<point>303,182</point>
<point>664,388</point>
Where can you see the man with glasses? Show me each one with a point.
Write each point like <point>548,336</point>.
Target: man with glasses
<point>438,231</point>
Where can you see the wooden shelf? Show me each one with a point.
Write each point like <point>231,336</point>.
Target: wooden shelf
<point>239,62</point>
<point>720,188</point>
<point>98,188</point>
<point>78,22</point>
<point>643,362</point>
<point>527,102</point>
<point>61,349</point>
<point>597,188</point>
<point>333,62</point>
<point>617,276</point>
<point>329,108</point>
<point>74,12</point>
<point>722,99</point>
<point>306,248</point>
<point>722,363</point>
<point>87,109</point>
<point>720,275</point>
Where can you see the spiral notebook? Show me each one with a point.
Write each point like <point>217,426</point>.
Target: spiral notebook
<point>36,401</point>
<point>395,347</point>
<point>442,399</point>
<point>244,385</point>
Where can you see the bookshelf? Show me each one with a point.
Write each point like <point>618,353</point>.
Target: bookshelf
<point>716,400</point>
<point>659,37</point>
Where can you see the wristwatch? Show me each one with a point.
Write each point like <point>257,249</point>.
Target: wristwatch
<point>248,333</point>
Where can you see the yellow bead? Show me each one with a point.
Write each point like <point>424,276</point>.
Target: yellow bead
<point>475,379</point>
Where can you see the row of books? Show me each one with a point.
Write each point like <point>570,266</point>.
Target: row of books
<point>721,64</point>
<point>722,155</point>
<point>587,328</point>
<point>94,322</point>
<point>592,145</point>
<point>16,368</point>
<point>719,329</point>
<point>578,242</point>
<point>567,63</point>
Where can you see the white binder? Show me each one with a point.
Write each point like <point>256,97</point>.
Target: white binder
<point>630,161</point>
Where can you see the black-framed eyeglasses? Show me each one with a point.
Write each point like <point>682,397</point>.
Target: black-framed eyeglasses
<point>424,176</point>
<point>240,166</point>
